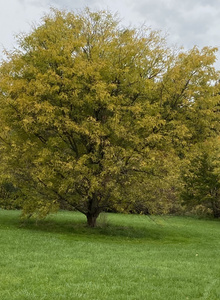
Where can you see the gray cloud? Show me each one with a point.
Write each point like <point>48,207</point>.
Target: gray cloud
<point>188,22</point>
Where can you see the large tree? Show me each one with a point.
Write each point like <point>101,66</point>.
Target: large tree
<point>91,112</point>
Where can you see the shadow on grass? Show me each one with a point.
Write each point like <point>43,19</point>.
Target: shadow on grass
<point>112,231</point>
<point>74,226</point>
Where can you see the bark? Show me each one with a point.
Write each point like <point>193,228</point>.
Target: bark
<point>93,211</point>
<point>91,219</point>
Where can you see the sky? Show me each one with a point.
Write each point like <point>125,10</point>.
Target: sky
<point>185,22</point>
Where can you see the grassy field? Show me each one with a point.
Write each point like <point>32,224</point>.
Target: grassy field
<point>126,257</point>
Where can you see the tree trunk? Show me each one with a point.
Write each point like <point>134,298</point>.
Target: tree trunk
<point>93,211</point>
<point>216,209</point>
<point>91,219</point>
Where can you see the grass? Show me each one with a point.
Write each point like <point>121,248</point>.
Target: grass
<point>127,257</point>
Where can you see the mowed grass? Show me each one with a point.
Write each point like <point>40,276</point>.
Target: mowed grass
<point>126,257</point>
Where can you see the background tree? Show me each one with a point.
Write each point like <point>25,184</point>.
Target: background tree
<point>90,110</point>
<point>202,177</point>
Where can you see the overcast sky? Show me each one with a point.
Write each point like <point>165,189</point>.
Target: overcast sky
<point>187,22</point>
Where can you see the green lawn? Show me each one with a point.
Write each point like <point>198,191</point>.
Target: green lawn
<point>126,257</point>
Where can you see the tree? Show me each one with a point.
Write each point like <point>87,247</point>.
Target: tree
<point>202,177</point>
<point>90,110</point>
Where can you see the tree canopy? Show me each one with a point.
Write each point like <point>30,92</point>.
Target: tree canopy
<point>96,116</point>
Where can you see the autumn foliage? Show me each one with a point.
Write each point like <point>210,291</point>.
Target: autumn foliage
<point>95,116</point>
